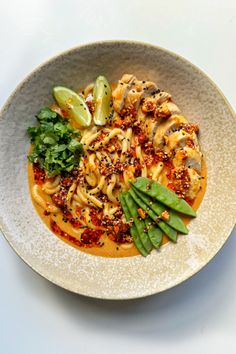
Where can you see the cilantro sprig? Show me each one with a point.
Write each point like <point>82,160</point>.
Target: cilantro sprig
<point>56,145</point>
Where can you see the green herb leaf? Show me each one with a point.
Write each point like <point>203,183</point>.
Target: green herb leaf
<point>56,145</point>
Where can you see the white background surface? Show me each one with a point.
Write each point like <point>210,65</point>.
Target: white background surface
<point>198,316</point>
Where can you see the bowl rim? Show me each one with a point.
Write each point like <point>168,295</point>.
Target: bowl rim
<point>71,50</point>
<point>104,42</point>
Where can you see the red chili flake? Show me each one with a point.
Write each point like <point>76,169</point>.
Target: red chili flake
<point>119,237</point>
<point>66,182</point>
<point>129,111</point>
<point>59,198</point>
<point>108,169</point>
<point>100,137</point>
<point>91,105</point>
<point>190,128</point>
<point>39,174</point>
<point>67,214</point>
<point>169,167</point>
<point>149,161</point>
<point>160,155</point>
<point>171,186</point>
<point>79,212</point>
<point>95,216</point>
<point>121,177</point>
<point>179,178</point>
<point>189,201</point>
<point>142,138</point>
<point>90,237</point>
<point>65,114</point>
<point>55,228</point>
<point>75,223</point>
<point>46,213</point>
<point>112,146</point>
<point>116,229</point>
<point>190,143</point>
<point>148,106</point>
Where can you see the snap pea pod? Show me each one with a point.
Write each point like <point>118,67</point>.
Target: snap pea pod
<point>163,195</point>
<point>174,220</point>
<point>133,230</point>
<point>102,97</point>
<point>124,206</point>
<point>171,233</point>
<point>154,233</point>
<point>140,225</point>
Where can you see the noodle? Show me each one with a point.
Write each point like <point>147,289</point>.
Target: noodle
<point>156,170</point>
<point>110,188</point>
<point>41,201</point>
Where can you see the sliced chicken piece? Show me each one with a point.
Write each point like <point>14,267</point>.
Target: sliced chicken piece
<point>139,90</point>
<point>149,127</point>
<point>188,157</point>
<point>166,128</point>
<point>162,97</point>
<point>152,102</point>
<point>166,109</point>
<point>121,91</point>
<point>147,123</point>
<point>133,98</point>
<point>194,184</point>
<point>141,116</point>
<point>162,112</point>
<point>180,139</point>
<point>148,88</point>
<point>186,181</point>
<point>174,110</point>
<point>149,105</point>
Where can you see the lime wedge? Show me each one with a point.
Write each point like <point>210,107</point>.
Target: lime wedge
<point>102,97</point>
<point>73,104</point>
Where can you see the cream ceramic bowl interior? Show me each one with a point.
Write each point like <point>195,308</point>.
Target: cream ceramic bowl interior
<point>119,278</point>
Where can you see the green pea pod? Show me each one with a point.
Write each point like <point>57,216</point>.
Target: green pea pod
<point>174,220</point>
<point>163,195</point>
<point>102,97</point>
<point>124,206</point>
<point>133,230</point>
<point>154,233</point>
<point>171,233</point>
<point>140,225</point>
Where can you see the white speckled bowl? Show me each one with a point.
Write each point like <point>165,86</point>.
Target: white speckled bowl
<point>119,278</point>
